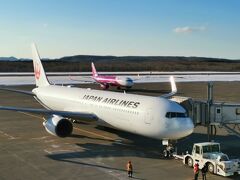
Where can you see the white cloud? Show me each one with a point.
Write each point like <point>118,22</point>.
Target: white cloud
<point>187,29</point>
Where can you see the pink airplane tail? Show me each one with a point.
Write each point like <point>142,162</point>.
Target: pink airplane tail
<point>94,72</point>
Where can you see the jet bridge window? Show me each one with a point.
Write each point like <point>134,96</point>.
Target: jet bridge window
<point>237,111</point>
<point>218,110</point>
<point>176,115</point>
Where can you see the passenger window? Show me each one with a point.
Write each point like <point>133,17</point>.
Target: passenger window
<point>237,111</point>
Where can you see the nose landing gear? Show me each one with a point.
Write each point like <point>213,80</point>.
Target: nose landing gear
<point>104,86</point>
<point>169,149</point>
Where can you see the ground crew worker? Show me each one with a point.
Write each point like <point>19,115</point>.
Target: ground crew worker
<point>204,172</point>
<point>129,169</point>
<point>196,171</point>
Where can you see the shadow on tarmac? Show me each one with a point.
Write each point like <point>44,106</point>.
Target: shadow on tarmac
<point>82,136</point>
<point>137,146</point>
<point>148,145</point>
<point>230,144</point>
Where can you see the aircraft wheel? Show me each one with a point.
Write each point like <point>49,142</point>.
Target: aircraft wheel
<point>211,168</point>
<point>190,162</point>
<point>165,153</point>
<point>104,87</point>
<point>107,86</point>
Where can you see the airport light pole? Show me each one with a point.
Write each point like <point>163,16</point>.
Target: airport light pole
<point>209,104</point>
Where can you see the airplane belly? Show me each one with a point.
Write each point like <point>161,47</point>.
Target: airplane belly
<point>50,103</point>
<point>149,124</point>
<point>107,116</point>
<point>134,123</point>
<point>118,120</point>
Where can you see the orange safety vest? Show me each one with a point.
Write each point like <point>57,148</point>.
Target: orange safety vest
<point>129,167</point>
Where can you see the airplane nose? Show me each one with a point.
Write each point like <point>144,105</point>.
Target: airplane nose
<point>129,83</point>
<point>180,127</point>
<point>187,127</point>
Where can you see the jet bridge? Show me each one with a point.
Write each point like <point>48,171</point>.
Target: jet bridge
<point>211,114</point>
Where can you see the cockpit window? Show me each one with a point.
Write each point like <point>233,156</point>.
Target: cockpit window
<point>176,115</point>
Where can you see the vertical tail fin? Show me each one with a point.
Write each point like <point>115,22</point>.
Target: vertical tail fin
<point>94,72</point>
<point>40,76</point>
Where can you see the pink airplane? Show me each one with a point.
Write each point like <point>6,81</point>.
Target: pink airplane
<point>106,81</point>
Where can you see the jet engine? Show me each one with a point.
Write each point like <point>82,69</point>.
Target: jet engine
<point>104,86</point>
<point>58,126</point>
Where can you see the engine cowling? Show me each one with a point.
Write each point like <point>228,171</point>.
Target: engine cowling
<point>104,86</point>
<point>58,126</point>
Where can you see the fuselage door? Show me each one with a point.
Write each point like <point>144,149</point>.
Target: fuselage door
<point>148,118</point>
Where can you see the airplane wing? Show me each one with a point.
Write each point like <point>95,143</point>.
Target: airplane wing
<point>67,114</point>
<point>145,78</point>
<point>153,79</point>
<point>173,87</point>
<point>83,79</point>
<point>137,78</point>
<point>18,91</point>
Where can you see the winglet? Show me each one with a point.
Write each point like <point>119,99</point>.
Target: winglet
<point>40,76</point>
<point>173,87</point>
<point>94,71</point>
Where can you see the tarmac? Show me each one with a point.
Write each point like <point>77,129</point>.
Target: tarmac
<point>27,151</point>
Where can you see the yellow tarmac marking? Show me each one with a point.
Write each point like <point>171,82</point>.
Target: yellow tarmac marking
<point>7,135</point>
<point>82,130</point>
<point>95,134</point>
<point>28,114</point>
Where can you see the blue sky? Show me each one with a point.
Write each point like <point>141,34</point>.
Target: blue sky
<point>209,28</point>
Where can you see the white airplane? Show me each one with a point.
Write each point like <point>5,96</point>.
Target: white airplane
<point>154,117</point>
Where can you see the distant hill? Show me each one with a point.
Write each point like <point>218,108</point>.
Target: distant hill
<point>81,63</point>
<point>141,58</point>
<point>8,59</point>
<point>13,59</point>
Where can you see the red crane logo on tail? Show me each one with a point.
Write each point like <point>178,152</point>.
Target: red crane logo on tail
<point>37,70</point>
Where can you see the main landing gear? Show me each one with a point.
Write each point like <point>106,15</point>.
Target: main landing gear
<point>104,86</point>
